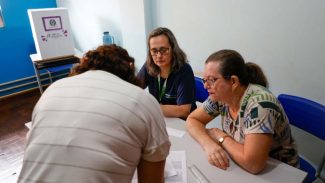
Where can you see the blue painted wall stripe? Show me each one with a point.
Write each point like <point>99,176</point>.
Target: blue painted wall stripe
<point>16,40</point>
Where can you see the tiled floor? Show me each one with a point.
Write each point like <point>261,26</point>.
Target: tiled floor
<point>14,113</point>
<point>12,149</point>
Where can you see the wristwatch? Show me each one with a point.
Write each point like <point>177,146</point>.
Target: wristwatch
<point>221,139</point>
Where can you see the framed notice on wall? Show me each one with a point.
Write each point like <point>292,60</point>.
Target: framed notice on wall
<point>2,22</point>
<point>51,32</point>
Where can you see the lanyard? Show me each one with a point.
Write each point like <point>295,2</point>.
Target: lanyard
<point>163,89</point>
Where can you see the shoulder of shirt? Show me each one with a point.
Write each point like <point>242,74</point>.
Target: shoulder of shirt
<point>186,68</point>
<point>259,94</point>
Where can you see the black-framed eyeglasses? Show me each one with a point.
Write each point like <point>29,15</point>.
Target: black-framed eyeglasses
<point>161,50</point>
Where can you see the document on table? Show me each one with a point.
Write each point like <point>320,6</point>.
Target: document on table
<point>174,132</point>
<point>178,161</point>
<point>175,168</point>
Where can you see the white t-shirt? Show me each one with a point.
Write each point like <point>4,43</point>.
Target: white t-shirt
<point>93,127</point>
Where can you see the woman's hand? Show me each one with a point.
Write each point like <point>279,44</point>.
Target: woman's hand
<point>195,125</point>
<point>217,156</point>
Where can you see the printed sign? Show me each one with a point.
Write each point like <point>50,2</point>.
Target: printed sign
<point>51,32</point>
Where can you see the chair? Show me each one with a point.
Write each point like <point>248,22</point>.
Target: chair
<point>51,70</point>
<point>310,117</point>
<point>201,92</point>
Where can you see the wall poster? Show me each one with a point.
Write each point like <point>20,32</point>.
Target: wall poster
<point>2,22</point>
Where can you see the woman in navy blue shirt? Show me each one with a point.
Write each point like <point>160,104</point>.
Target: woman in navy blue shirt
<point>168,75</point>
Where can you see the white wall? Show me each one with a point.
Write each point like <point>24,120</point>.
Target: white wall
<point>287,38</point>
<point>134,29</point>
<point>122,18</point>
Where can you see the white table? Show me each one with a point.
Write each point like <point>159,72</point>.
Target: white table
<point>275,170</point>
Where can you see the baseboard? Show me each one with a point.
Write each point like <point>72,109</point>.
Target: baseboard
<point>23,92</point>
<point>11,88</point>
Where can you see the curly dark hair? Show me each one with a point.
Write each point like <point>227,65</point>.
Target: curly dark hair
<point>110,58</point>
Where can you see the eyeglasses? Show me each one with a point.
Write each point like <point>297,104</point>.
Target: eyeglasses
<point>162,51</point>
<point>210,81</point>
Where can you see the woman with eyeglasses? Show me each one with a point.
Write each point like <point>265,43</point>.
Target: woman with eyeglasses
<point>168,75</point>
<point>254,124</point>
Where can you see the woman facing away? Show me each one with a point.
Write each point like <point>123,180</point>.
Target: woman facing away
<point>254,124</point>
<point>97,126</point>
<point>168,75</point>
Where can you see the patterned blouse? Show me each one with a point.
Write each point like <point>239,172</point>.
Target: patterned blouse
<point>260,112</point>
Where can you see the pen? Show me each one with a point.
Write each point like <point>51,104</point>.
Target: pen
<point>199,176</point>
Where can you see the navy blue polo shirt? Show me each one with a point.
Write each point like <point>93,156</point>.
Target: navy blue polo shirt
<point>180,86</point>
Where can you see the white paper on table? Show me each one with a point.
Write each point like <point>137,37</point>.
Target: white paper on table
<point>169,168</point>
<point>175,168</point>
<point>178,159</point>
<point>174,132</point>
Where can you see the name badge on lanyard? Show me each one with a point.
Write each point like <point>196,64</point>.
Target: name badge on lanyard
<point>161,90</point>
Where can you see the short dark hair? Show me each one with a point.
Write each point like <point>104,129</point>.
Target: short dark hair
<point>110,58</point>
<point>232,63</point>
<point>178,56</point>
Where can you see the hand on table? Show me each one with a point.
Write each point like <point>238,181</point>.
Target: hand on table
<point>217,156</point>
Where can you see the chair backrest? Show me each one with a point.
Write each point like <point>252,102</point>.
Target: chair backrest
<point>201,92</point>
<point>59,68</point>
<point>310,117</point>
<point>304,114</point>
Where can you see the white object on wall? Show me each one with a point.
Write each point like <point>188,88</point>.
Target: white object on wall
<point>51,32</point>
